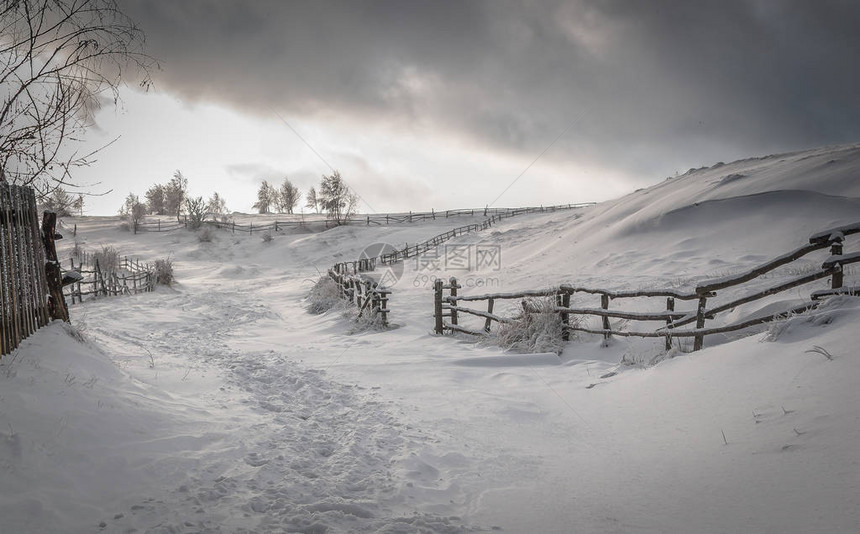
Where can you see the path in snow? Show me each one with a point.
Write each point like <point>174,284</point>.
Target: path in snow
<point>304,453</point>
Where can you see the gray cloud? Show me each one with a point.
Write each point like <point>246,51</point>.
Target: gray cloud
<point>648,86</point>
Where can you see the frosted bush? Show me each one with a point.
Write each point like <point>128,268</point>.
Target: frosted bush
<point>164,272</point>
<point>324,296</point>
<point>107,258</point>
<point>205,235</point>
<point>368,321</point>
<point>538,328</point>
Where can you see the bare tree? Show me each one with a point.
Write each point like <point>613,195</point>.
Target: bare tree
<point>336,198</point>
<point>59,59</point>
<point>286,197</point>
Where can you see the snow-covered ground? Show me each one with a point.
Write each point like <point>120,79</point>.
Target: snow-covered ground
<point>220,405</point>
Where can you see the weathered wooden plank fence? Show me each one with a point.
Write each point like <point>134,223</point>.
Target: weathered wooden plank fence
<point>364,293</point>
<point>449,307</point>
<point>30,278</point>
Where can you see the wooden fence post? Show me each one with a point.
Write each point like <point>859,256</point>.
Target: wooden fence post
<point>699,339</point>
<point>56,300</point>
<point>453,300</point>
<point>72,289</point>
<point>565,316</point>
<point>670,307</point>
<point>488,322</point>
<point>437,308</point>
<point>383,304</point>
<point>836,250</point>
<point>604,303</point>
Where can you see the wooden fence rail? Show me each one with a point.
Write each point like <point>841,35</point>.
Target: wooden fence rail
<point>30,278</point>
<point>449,306</point>
<point>364,293</point>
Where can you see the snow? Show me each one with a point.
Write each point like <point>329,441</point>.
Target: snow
<point>221,405</point>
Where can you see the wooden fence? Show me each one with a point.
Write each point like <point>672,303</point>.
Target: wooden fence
<point>30,278</point>
<point>368,220</point>
<point>410,251</point>
<point>126,277</point>
<point>450,306</point>
<point>364,293</point>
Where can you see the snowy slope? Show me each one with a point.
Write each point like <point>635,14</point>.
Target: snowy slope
<point>219,405</point>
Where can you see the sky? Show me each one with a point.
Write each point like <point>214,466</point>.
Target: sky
<point>441,104</point>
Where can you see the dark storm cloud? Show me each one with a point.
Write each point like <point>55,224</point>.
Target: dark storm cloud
<point>646,85</point>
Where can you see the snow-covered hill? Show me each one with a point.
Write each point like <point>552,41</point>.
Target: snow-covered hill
<point>219,405</point>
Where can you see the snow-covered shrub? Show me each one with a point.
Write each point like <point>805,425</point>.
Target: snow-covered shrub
<point>268,237</point>
<point>324,296</point>
<point>367,321</point>
<point>205,235</point>
<point>164,271</point>
<point>538,328</point>
<point>196,208</point>
<point>107,258</point>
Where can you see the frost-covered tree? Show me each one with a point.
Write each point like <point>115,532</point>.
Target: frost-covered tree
<point>78,205</point>
<point>133,211</point>
<point>217,205</point>
<point>286,197</point>
<point>265,198</point>
<point>311,200</point>
<point>59,202</point>
<point>174,194</point>
<point>155,200</point>
<point>336,199</point>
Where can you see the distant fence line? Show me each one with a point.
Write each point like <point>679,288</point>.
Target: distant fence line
<point>367,220</point>
<point>451,306</point>
<point>410,251</point>
<point>30,279</point>
<point>350,272</point>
